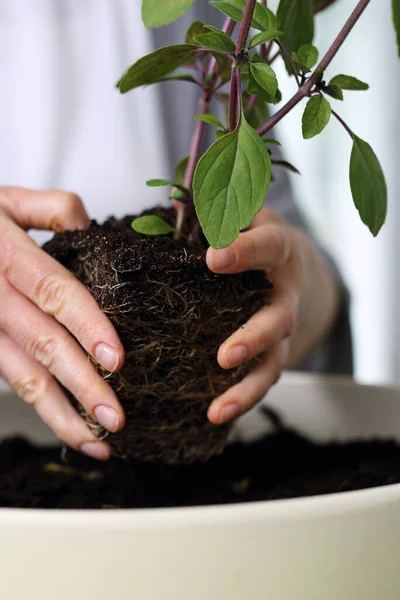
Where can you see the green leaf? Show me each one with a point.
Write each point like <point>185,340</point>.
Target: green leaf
<point>263,19</point>
<point>156,13</point>
<point>166,182</point>
<point>334,91</point>
<point>180,169</point>
<point>368,186</point>
<point>196,28</point>
<point>287,165</point>
<point>264,37</point>
<point>346,82</point>
<point>316,116</point>
<point>155,66</point>
<point>396,20</point>
<point>217,41</point>
<point>272,141</point>
<point>211,120</point>
<point>151,225</point>
<point>257,114</point>
<point>265,77</point>
<point>220,133</point>
<point>296,18</point>
<point>230,184</point>
<point>307,56</point>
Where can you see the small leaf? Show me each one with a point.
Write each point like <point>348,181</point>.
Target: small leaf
<point>180,169</point>
<point>368,186</point>
<point>155,66</point>
<point>307,55</point>
<point>264,37</point>
<point>166,182</point>
<point>230,184</point>
<point>211,120</point>
<point>287,165</point>
<point>219,42</point>
<point>263,19</point>
<point>151,225</point>
<point>297,63</point>
<point>316,116</point>
<point>196,28</point>
<point>296,18</point>
<point>157,14</point>
<point>265,77</point>
<point>346,82</point>
<point>334,91</point>
<point>396,20</point>
<point>257,114</point>
<point>272,141</point>
<point>220,133</point>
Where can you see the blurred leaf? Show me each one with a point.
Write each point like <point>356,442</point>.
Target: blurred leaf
<point>265,77</point>
<point>257,114</point>
<point>296,18</point>
<point>346,82</point>
<point>286,165</point>
<point>179,77</point>
<point>263,19</point>
<point>396,20</point>
<point>151,225</point>
<point>264,37</point>
<point>368,186</point>
<point>166,182</point>
<point>334,91</point>
<point>307,55</point>
<point>156,13</point>
<point>155,66</point>
<point>272,141</point>
<point>211,120</point>
<point>196,28</point>
<point>316,116</point>
<point>180,169</point>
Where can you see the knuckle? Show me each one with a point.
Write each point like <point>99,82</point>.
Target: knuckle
<point>279,243</point>
<point>44,349</point>
<point>7,253</point>
<point>31,388</point>
<point>49,294</point>
<point>73,204</point>
<point>289,323</point>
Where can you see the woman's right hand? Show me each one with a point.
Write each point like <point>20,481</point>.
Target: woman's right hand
<point>47,316</point>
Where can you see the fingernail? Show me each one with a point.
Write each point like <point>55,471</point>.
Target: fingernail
<point>107,417</point>
<point>107,356</point>
<point>222,259</point>
<point>236,356</point>
<point>229,412</point>
<point>95,450</point>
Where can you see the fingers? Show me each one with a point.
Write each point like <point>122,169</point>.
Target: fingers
<point>247,393</point>
<point>48,209</point>
<point>50,345</point>
<point>56,292</point>
<point>264,330</point>
<point>267,246</point>
<point>36,387</point>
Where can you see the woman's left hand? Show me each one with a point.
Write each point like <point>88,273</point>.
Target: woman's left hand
<point>304,304</point>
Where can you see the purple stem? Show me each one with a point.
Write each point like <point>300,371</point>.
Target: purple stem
<point>347,128</point>
<point>246,24</point>
<point>305,89</point>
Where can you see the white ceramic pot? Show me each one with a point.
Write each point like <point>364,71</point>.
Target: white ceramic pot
<point>336,547</point>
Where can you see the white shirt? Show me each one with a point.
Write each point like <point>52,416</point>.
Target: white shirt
<point>63,124</point>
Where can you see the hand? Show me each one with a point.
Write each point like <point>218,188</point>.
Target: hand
<point>42,309</point>
<point>304,305</point>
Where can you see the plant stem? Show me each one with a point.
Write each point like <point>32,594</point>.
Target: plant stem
<point>233,97</point>
<point>305,89</point>
<point>289,61</point>
<point>347,128</point>
<point>245,26</point>
<point>198,132</point>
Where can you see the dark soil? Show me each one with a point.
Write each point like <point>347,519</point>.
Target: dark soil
<point>172,314</point>
<point>281,465</point>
